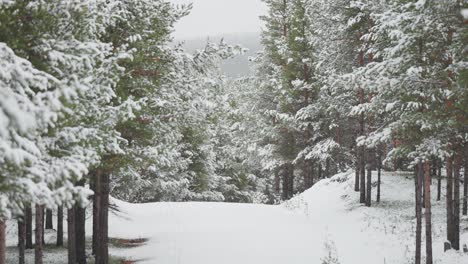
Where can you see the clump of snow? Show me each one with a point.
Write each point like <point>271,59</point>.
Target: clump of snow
<point>464,13</point>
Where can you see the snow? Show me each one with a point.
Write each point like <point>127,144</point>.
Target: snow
<point>297,231</point>
<point>324,222</point>
<point>464,13</point>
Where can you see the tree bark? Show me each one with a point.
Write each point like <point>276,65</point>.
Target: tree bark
<point>2,242</point>
<point>356,176</point>
<point>418,194</point>
<point>428,215</point>
<point>28,220</point>
<point>285,194</point>
<point>439,180</point>
<point>465,183</point>
<point>362,180</point>
<point>71,236</point>
<point>291,181</point>
<point>277,183</point>
<point>60,226</point>
<point>379,174</point>
<point>21,240</point>
<point>449,201</point>
<point>369,184</point>
<point>80,232</point>
<point>49,222</point>
<point>43,223</point>
<point>423,180</point>
<point>39,234</point>
<point>95,211</point>
<point>102,247</point>
<point>456,203</point>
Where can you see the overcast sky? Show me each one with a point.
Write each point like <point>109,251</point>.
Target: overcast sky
<point>218,17</point>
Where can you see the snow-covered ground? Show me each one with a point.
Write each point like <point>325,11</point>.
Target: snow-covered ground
<point>327,219</point>
<point>324,223</point>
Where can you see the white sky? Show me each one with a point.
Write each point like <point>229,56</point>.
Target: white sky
<point>217,17</point>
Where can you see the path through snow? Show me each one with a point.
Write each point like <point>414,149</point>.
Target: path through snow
<point>293,233</point>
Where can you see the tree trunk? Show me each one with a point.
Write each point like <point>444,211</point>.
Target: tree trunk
<point>423,180</point>
<point>362,170</point>
<point>465,183</point>
<point>418,178</point>
<point>291,181</point>
<point>327,168</point>
<point>71,236</point>
<point>427,201</point>
<point>21,240</point>
<point>449,201</point>
<point>43,229</point>
<point>28,219</point>
<point>379,174</point>
<point>439,180</point>
<point>38,252</point>
<point>369,186</point>
<point>320,176</point>
<point>277,183</point>
<point>80,232</point>
<point>356,176</point>
<point>285,194</point>
<point>95,211</point>
<point>60,226</point>
<point>102,247</point>
<point>2,242</point>
<point>49,222</point>
<point>456,203</point>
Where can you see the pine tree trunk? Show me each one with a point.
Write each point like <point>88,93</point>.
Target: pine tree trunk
<point>456,203</point>
<point>320,176</point>
<point>49,222</point>
<point>102,247</point>
<point>21,240</point>
<point>327,168</point>
<point>28,220</point>
<point>43,223</point>
<point>291,181</point>
<point>285,194</point>
<point>38,252</point>
<point>418,178</point>
<point>80,232</point>
<point>379,174</point>
<point>362,170</point>
<point>428,215</point>
<point>465,183</point>
<point>71,236</point>
<point>439,180</point>
<point>60,226</point>
<point>449,202</point>
<point>95,212</point>
<point>2,242</point>
<point>356,175</point>
<point>369,185</point>
<point>277,183</point>
<point>423,180</point>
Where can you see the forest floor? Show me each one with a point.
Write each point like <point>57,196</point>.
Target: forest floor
<point>324,225</point>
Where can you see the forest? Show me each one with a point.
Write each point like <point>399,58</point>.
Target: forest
<point>98,105</point>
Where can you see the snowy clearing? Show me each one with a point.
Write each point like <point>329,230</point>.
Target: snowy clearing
<point>295,232</point>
